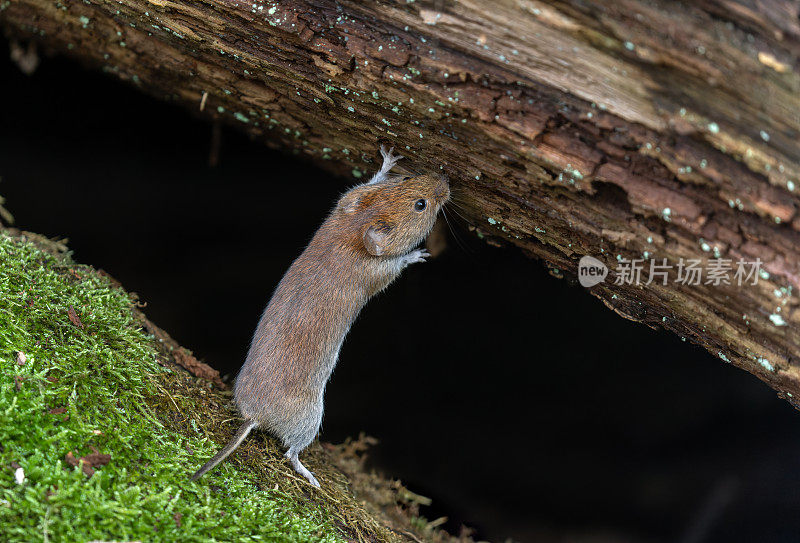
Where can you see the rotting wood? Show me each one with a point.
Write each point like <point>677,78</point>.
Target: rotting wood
<point>617,129</point>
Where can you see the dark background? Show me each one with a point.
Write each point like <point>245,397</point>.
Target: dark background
<point>515,400</point>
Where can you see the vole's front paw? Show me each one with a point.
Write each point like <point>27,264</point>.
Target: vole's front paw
<point>418,255</point>
<point>389,160</point>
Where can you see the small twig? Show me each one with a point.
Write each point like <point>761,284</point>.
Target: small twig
<point>165,391</point>
<point>412,536</point>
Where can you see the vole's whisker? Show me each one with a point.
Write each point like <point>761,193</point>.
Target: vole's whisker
<point>455,209</point>
<point>459,242</point>
<point>455,203</point>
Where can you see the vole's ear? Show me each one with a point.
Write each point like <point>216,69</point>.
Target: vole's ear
<point>376,238</point>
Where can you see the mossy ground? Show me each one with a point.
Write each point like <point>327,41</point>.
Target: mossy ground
<point>103,371</point>
<point>95,381</point>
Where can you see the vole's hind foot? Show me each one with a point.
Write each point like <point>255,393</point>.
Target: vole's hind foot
<point>418,255</point>
<point>298,466</point>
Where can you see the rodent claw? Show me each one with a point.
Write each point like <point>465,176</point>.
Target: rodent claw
<point>389,160</point>
<point>387,155</point>
<point>418,255</point>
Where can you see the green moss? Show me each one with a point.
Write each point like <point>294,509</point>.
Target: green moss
<point>102,369</point>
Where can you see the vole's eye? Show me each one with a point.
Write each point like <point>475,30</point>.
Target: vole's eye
<point>406,178</point>
<point>420,204</point>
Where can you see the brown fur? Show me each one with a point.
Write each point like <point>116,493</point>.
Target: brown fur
<point>362,246</point>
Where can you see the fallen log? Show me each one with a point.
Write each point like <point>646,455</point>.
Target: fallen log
<point>656,140</point>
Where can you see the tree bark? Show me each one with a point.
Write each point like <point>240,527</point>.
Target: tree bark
<point>622,130</point>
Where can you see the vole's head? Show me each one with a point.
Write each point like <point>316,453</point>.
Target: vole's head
<point>393,216</point>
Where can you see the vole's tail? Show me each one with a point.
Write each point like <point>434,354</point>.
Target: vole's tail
<point>241,433</point>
